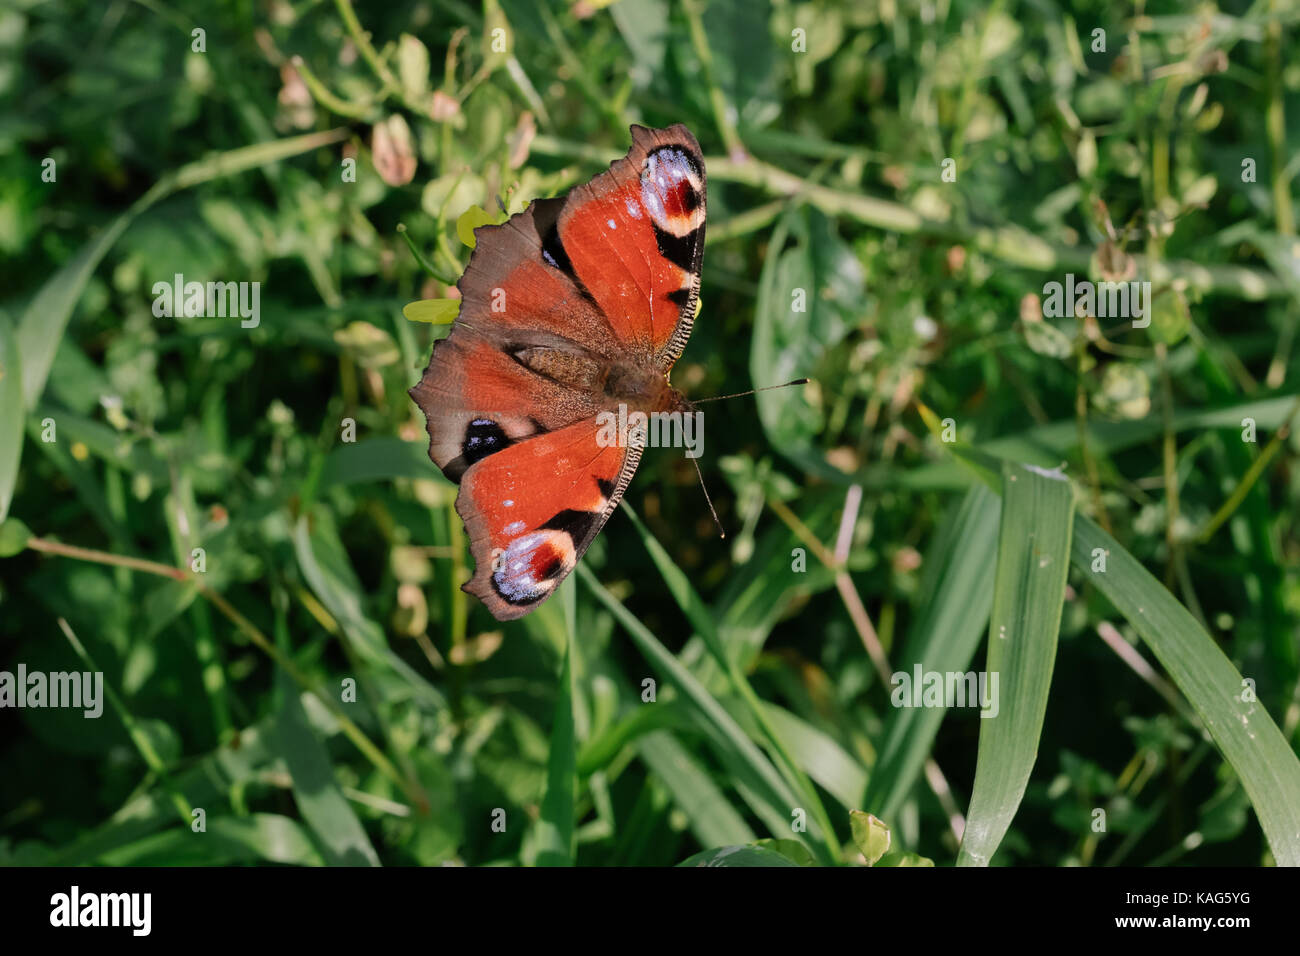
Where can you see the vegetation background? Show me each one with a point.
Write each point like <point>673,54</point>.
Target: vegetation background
<point>920,169</point>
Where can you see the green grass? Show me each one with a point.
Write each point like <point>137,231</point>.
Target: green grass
<point>1108,517</point>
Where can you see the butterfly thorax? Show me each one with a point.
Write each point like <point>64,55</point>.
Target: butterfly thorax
<point>641,389</point>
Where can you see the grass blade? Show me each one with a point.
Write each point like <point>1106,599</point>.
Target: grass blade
<point>46,316</point>
<point>552,843</point>
<point>711,817</point>
<point>953,614</point>
<point>1245,733</point>
<point>1028,595</point>
<point>339,834</point>
<point>825,761</point>
<point>771,796</point>
<point>11,413</point>
<point>701,618</point>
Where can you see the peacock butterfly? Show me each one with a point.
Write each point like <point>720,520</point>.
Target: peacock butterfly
<point>577,305</point>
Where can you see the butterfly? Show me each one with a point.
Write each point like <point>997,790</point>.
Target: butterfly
<point>569,309</point>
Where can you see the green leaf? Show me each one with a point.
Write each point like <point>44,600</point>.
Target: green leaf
<point>42,323</point>
<point>1170,318</point>
<point>432,311</point>
<point>744,59</point>
<point>207,784</point>
<point>870,835</point>
<point>46,316</point>
<point>738,856</point>
<point>599,751</point>
<point>1028,595</point>
<point>471,219</point>
<point>1046,339</point>
<point>450,195</point>
<point>1244,731</point>
<point>807,295</point>
<point>378,459</point>
<point>14,536</point>
<point>256,838</point>
<point>897,858</point>
<point>702,618</point>
<point>753,602</point>
<point>792,850</point>
<point>1048,444</point>
<point>339,833</point>
<point>644,27</point>
<point>1282,256</point>
<point>327,571</point>
<point>825,761</point>
<point>11,413</point>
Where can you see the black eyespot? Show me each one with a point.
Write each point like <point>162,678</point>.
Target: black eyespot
<point>483,437</point>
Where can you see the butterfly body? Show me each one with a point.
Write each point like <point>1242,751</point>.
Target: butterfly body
<point>572,310</point>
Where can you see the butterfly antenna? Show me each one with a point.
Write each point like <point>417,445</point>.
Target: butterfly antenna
<point>765,388</point>
<point>700,475</point>
<point>717,398</point>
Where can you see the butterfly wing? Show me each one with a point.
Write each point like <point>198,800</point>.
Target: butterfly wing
<point>634,240</point>
<point>532,510</point>
<point>478,394</point>
<point>551,298</point>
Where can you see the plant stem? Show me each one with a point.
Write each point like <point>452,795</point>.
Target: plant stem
<point>1275,123</point>
<point>722,111</point>
<point>322,95</point>
<point>364,46</point>
<point>1249,478</point>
